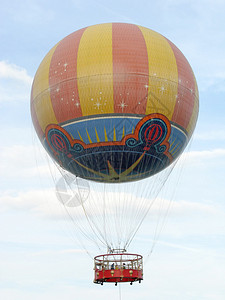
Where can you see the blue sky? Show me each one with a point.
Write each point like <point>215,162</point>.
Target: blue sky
<point>40,257</point>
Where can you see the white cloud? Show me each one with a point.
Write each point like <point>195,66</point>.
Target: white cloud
<point>178,246</point>
<point>44,203</point>
<point>217,135</point>
<point>40,202</point>
<point>205,156</point>
<point>183,207</point>
<point>58,252</point>
<point>15,83</point>
<point>12,71</point>
<point>23,161</point>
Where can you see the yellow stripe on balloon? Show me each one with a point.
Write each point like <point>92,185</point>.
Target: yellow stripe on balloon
<point>123,132</point>
<point>163,75</point>
<point>41,93</point>
<point>89,138</point>
<point>97,137</point>
<point>80,136</point>
<point>106,138</point>
<point>114,134</point>
<point>95,70</point>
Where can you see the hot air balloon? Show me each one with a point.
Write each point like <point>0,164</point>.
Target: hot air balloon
<point>115,104</point>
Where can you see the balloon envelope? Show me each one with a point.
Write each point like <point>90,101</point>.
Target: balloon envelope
<point>114,102</point>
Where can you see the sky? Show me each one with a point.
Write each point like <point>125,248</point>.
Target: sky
<point>40,254</point>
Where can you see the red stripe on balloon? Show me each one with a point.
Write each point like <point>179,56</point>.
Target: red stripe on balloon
<point>186,89</point>
<point>63,78</point>
<point>130,69</point>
